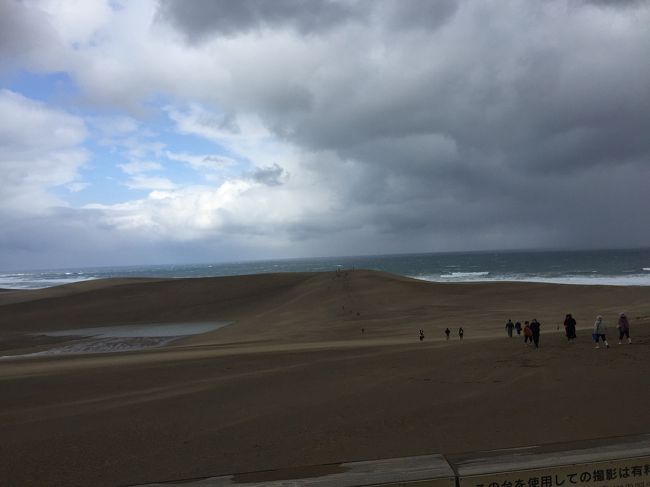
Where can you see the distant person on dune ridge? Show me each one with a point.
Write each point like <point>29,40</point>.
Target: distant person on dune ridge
<point>461,332</point>
<point>528,334</point>
<point>509,327</point>
<point>570,328</point>
<point>535,328</point>
<point>600,331</point>
<point>518,327</point>
<point>447,332</point>
<point>623,328</point>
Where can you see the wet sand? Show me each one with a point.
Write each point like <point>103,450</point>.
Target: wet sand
<point>293,381</point>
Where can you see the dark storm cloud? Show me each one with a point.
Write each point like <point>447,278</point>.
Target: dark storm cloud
<point>416,125</point>
<point>268,176</point>
<point>201,18</point>
<point>524,123</point>
<point>537,141</point>
<point>615,3</point>
<point>12,24</point>
<point>423,14</point>
<point>65,237</point>
<point>21,30</point>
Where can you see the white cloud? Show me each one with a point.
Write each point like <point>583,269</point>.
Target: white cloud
<point>40,148</point>
<point>145,182</point>
<point>201,161</point>
<point>76,187</point>
<point>110,127</point>
<point>250,142</point>
<point>251,210</point>
<point>238,133</point>
<point>127,136</point>
<point>76,21</point>
<point>137,167</point>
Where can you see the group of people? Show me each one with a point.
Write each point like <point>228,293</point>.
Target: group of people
<point>600,330</point>
<point>461,332</point>
<point>531,330</point>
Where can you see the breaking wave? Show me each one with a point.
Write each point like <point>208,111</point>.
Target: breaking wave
<point>464,275</point>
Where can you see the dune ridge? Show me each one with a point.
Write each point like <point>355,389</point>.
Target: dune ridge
<point>313,306</point>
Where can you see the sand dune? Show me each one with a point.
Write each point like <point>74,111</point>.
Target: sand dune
<point>313,306</point>
<point>293,381</point>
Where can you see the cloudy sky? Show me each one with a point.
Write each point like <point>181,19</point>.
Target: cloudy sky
<point>171,131</point>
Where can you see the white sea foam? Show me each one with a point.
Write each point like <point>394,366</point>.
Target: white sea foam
<point>464,275</point>
<point>646,269</point>
<point>626,280</point>
<point>629,280</point>
<point>25,281</point>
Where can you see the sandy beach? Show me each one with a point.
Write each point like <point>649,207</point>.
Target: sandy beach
<point>294,381</point>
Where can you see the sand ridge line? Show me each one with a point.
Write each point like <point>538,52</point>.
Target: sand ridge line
<point>51,365</point>
<point>109,401</point>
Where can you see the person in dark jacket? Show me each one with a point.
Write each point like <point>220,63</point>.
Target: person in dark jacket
<point>447,332</point>
<point>461,332</point>
<point>509,327</point>
<point>623,328</point>
<point>535,328</point>
<point>518,327</point>
<point>570,327</point>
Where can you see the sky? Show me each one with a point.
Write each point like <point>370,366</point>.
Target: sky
<point>143,132</point>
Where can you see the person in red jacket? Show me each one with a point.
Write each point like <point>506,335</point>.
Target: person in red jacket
<point>528,333</point>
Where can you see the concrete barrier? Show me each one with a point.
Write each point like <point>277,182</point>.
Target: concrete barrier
<point>420,471</point>
<point>623,462</point>
<point>600,463</point>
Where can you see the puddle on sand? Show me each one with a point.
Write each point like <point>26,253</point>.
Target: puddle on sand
<point>157,330</point>
<point>122,338</point>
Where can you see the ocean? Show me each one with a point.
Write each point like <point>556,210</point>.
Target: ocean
<point>604,267</point>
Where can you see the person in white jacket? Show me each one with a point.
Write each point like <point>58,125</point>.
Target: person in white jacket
<point>600,330</point>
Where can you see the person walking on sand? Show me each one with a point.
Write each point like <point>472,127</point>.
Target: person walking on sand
<point>509,327</point>
<point>623,328</point>
<point>535,328</point>
<point>421,334</point>
<point>461,332</point>
<point>570,327</point>
<point>518,327</point>
<point>600,330</point>
<point>528,334</point>
<point>447,332</point>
